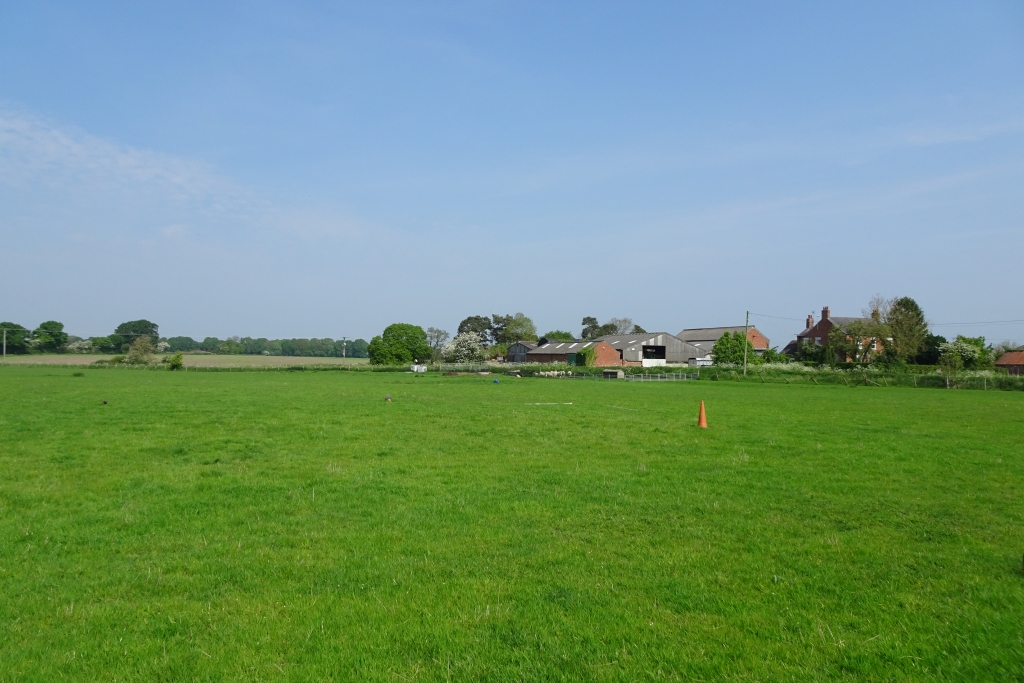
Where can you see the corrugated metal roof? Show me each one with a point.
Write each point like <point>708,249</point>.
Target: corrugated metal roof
<point>707,333</point>
<point>711,334</point>
<point>561,347</point>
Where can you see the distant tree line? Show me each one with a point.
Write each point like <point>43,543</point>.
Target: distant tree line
<point>50,337</point>
<point>351,348</point>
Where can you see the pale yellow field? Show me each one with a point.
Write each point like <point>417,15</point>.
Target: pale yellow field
<point>192,361</point>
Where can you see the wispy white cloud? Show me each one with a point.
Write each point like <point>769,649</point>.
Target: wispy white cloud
<point>32,149</point>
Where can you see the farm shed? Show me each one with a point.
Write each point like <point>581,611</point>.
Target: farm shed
<point>705,337</point>
<point>1012,361</point>
<point>653,349</point>
<point>565,352</point>
<point>517,352</point>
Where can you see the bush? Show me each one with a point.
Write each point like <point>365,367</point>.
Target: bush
<point>175,362</point>
<point>140,352</point>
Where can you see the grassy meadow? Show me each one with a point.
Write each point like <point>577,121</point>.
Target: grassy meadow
<point>294,526</point>
<point>190,360</point>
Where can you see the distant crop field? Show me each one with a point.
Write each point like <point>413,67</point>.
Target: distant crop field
<point>296,526</point>
<point>190,360</point>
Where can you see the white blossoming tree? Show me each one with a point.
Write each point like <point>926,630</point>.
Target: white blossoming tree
<point>465,348</point>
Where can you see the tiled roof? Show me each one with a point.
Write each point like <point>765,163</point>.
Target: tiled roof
<point>1011,358</point>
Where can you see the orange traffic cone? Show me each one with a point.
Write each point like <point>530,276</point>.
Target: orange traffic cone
<point>702,419</point>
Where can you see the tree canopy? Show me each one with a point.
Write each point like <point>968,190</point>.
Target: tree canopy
<point>49,337</point>
<point>559,335</point>
<point>17,337</point>
<point>481,324</point>
<point>907,329</point>
<point>728,350</point>
<point>136,328</point>
<point>399,344</point>
<point>509,329</point>
<point>592,329</point>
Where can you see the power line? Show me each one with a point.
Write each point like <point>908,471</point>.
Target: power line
<point>777,317</point>
<point>986,322</point>
<point>983,322</point>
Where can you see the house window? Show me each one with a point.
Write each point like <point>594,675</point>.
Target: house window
<point>874,345</point>
<point>817,340</point>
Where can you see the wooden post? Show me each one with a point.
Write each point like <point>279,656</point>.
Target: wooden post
<point>746,326</point>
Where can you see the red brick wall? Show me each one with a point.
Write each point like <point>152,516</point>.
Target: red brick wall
<point>757,339</point>
<point>606,356</point>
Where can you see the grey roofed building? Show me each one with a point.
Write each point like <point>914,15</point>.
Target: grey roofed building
<point>705,337</point>
<point>555,351</point>
<point>517,352</point>
<point>653,346</point>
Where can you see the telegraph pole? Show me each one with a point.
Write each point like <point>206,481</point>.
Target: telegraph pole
<point>746,326</point>
<point>344,348</point>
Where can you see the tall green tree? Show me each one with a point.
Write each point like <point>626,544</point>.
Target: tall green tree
<point>399,344</point>
<point>907,329</point>
<point>559,335</point>
<point>861,340</point>
<point>931,351</point>
<point>210,344</point>
<point>728,350</point>
<point>480,324</point>
<point>18,337</point>
<point>593,330</point>
<point>50,336</point>
<point>176,344</point>
<point>358,349</point>
<point>133,329</point>
<point>509,329</point>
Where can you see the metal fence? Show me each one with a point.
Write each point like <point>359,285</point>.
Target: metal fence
<point>662,377</point>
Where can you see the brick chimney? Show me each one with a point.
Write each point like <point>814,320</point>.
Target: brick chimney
<point>824,313</point>
<point>810,322</point>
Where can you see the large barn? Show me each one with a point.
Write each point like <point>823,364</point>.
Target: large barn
<point>517,352</point>
<point>652,349</point>
<point>565,352</point>
<point>705,337</point>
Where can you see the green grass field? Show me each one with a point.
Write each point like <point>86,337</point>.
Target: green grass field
<point>190,360</point>
<point>295,526</point>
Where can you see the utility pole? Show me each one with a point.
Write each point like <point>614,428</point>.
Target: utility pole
<point>746,326</point>
<point>344,348</point>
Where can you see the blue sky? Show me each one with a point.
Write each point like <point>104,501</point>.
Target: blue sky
<point>325,169</point>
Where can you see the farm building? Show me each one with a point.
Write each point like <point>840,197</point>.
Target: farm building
<point>653,349</point>
<point>565,352</point>
<point>705,337</point>
<point>517,352</point>
<point>1012,361</point>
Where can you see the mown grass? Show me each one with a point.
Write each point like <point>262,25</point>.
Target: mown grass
<point>295,526</point>
<point>191,360</point>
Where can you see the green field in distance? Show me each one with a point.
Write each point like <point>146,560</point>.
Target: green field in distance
<point>295,526</point>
